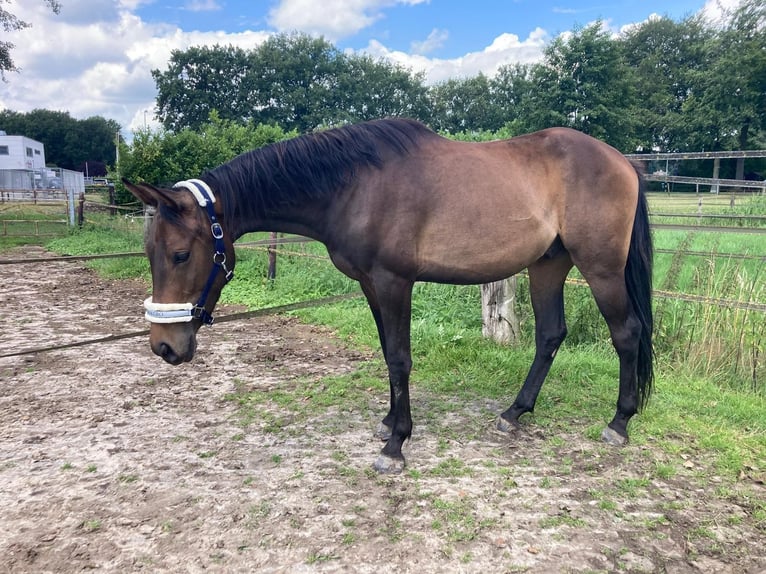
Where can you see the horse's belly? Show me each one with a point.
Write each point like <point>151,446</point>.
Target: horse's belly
<point>480,261</point>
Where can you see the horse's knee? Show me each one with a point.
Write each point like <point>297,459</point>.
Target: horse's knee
<point>549,340</point>
<point>399,366</point>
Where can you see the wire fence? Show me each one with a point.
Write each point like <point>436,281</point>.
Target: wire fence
<point>273,246</point>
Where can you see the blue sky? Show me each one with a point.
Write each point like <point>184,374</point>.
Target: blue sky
<point>96,56</point>
<point>464,26</point>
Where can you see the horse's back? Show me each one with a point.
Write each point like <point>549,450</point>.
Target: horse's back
<point>475,212</point>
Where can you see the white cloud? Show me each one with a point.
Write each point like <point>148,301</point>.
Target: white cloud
<point>628,28</point>
<point>716,10</point>
<point>97,67</point>
<point>505,49</point>
<point>434,41</point>
<point>333,19</point>
<point>202,6</point>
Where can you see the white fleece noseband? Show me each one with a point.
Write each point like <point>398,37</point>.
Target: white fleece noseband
<point>167,312</point>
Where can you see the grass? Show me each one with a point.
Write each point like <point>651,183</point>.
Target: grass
<point>31,224</point>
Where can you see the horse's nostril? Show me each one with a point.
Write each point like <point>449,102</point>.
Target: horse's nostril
<point>167,353</point>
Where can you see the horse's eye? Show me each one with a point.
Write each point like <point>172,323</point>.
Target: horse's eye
<point>180,257</point>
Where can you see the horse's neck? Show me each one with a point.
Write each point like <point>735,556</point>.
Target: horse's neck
<point>306,219</point>
<point>305,216</point>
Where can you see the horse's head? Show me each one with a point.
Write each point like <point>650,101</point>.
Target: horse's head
<point>191,260</point>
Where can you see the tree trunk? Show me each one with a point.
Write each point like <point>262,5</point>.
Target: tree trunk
<point>498,314</point>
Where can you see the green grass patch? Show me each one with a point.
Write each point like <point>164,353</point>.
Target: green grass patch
<point>31,224</point>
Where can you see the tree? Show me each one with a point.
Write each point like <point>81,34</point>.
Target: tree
<point>200,80</point>
<point>666,56</point>
<point>297,81</point>
<point>585,83</point>
<point>292,80</point>
<point>512,91</point>
<point>68,142</point>
<point>459,105</point>
<point>371,89</point>
<point>165,157</point>
<point>729,106</point>
<point>11,23</point>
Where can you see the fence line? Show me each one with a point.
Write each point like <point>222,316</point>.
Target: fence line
<point>710,228</point>
<point>711,216</point>
<point>35,224</point>
<point>263,245</point>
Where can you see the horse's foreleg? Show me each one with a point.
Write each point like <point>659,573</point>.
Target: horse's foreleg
<point>546,286</point>
<point>394,296</point>
<point>383,431</point>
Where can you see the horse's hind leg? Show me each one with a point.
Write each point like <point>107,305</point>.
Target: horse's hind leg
<point>613,301</point>
<point>546,286</point>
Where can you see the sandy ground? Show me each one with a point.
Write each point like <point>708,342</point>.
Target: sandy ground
<point>112,461</point>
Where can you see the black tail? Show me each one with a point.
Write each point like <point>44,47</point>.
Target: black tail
<point>638,279</point>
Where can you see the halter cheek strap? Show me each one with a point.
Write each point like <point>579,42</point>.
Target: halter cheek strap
<point>185,312</point>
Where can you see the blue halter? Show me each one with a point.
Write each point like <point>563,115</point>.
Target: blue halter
<point>184,312</point>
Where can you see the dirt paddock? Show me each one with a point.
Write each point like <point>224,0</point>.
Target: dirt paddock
<point>112,461</point>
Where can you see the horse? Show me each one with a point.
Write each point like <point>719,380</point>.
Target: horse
<point>396,203</point>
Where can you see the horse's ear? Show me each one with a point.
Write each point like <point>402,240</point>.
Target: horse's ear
<point>151,195</point>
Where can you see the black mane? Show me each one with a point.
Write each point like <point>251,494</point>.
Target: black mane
<point>309,166</point>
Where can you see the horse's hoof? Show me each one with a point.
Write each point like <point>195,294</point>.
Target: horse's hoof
<point>388,465</point>
<point>506,426</point>
<point>383,432</point>
<point>612,437</point>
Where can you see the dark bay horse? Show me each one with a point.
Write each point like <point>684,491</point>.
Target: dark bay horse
<point>396,203</point>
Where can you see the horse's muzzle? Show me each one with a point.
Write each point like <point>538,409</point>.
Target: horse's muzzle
<point>169,355</point>
<point>173,349</point>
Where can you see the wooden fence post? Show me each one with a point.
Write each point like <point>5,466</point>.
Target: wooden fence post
<point>81,210</point>
<point>498,314</point>
<point>272,250</point>
<point>112,204</point>
<point>149,212</point>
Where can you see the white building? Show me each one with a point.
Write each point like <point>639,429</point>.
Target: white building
<point>19,152</point>
<point>22,170</point>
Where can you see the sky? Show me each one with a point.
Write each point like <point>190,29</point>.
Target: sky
<point>95,57</point>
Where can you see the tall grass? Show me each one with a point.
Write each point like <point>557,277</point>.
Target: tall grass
<point>724,344</point>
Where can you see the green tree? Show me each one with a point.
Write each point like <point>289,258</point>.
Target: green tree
<point>585,83</point>
<point>666,56</point>
<point>370,89</point>
<point>296,81</point>
<point>459,105</point>
<point>512,93</point>
<point>728,108</point>
<point>200,80</point>
<point>292,80</point>
<point>11,23</point>
<point>164,157</point>
<point>68,142</point>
